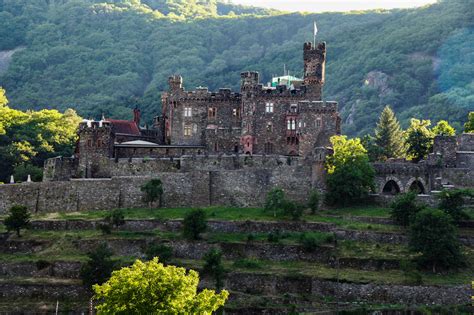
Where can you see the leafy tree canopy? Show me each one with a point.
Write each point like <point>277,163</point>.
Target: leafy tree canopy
<point>419,139</point>
<point>152,288</point>
<point>350,175</point>
<point>443,128</point>
<point>469,125</point>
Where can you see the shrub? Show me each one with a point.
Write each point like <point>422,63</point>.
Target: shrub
<point>153,190</point>
<point>213,267</point>
<point>163,252</point>
<point>404,208</point>
<point>275,201</point>
<point>22,171</point>
<point>274,236</point>
<point>292,209</point>
<point>98,267</point>
<point>248,263</point>
<point>452,202</point>
<point>105,228</point>
<point>412,276</point>
<point>194,224</point>
<point>313,202</point>
<point>434,236</point>
<point>309,242</point>
<point>19,218</point>
<point>251,237</point>
<point>116,218</point>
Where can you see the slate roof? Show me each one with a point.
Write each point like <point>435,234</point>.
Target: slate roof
<point>124,126</point>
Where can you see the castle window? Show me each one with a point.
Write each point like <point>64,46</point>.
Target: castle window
<point>294,108</point>
<point>236,112</point>
<point>99,143</point>
<point>269,108</point>
<point>269,127</point>
<point>318,123</point>
<point>268,148</point>
<point>188,131</point>
<point>212,112</point>
<point>89,143</point>
<point>188,112</point>
<point>300,124</point>
<point>291,124</point>
<point>216,147</point>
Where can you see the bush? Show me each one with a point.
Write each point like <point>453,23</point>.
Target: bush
<point>412,276</point>
<point>19,218</point>
<point>213,267</point>
<point>163,252</point>
<point>313,202</point>
<point>434,236</point>
<point>194,224</point>
<point>116,218</point>
<point>248,263</point>
<point>292,209</point>
<point>105,228</point>
<point>309,242</point>
<point>404,208</point>
<point>274,236</point>
<point>98,267</point>
<point>275,201</point>
<point>251,237</point>
<point>452,202</point>
<point>153,190</point>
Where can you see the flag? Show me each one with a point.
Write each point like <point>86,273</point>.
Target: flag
<point>315,29</point>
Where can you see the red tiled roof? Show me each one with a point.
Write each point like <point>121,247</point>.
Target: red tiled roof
<point>124,126</point>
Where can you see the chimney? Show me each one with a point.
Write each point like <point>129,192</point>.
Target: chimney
<point>136,116</point>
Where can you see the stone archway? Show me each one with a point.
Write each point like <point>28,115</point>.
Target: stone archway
<point>417,185</point>
<point>391,188</point>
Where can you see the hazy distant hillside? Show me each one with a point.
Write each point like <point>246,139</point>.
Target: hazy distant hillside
<point>107,56</point>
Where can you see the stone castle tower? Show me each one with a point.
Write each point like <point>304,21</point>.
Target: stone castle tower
<point>314,68</point>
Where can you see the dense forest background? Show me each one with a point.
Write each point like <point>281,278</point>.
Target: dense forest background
<point>99,56</point>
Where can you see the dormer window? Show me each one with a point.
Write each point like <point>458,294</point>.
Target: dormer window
<point>269,107</point>
<point>294,108</point>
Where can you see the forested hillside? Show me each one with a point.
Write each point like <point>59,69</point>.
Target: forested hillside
<point>99,56</point>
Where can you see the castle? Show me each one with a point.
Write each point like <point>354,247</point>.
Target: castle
<point>226,148</point>
<point>287,119</point>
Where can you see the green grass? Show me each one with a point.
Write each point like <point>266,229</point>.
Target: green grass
<point>362,211</point>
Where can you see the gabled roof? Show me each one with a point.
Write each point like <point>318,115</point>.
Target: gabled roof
<point>124,126</point>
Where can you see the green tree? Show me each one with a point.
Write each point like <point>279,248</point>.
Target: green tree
<point>314,199</point>
<point>389,135</point>
<point>22,171</point>
<point>213,267</point>
<point>374,152</point>
<point>452,202</point>
<point>350,175</point>
<point>443,128</point>
<point>419,139</point>
<point>19,218</point>
<point>152,288</point>
<point>98,267</point>
<point>153,190</point>
<point>433,235</point>
<point>275,201</point>
<point>469,125</point>
<point>194,224</point>
<point>404,208</point>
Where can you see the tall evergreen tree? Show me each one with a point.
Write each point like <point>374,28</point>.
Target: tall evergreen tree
<point>389,135</point>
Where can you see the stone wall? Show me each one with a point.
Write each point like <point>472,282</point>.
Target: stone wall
<point>240,187</point>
